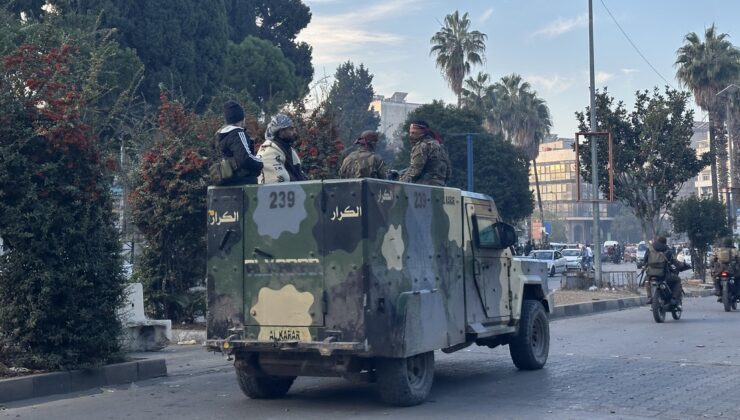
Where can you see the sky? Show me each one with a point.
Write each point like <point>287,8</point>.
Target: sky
<point>545,41</point>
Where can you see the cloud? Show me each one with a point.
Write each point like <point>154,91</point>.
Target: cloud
<point>486,15</point>
<point>549,83</point>
<point>602,76</point>
<point>629,71</point>
<point>335,38</point>
<point>561,26</point>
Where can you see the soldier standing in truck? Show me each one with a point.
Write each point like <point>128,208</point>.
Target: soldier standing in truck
<point>429,163</point>
<point>281,162</point>
<point>364,162</point>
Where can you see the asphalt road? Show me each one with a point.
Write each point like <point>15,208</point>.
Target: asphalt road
<point>610,365</point>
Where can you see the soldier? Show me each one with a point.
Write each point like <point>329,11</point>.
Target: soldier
<point>429,162</point>
<point>657,262</point>
<point>236,148</point>
<point>725,258</point>
<point>281,162</point>
<point>364,162</point>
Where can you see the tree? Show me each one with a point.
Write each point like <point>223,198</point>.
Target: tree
<point>652,151</point>
<point>706,68</point>
<point>703,221</point>
<point>349,99</point>
<point>523,118</point>
<point>626,226</point>
<point>456,48</point>
<point>500,169</point>
<point>318,144</point>
<point>477,94</point>
<point>277,21</point>
<point>169,207</point>
<point>61,284</point>
<point>260,69</point>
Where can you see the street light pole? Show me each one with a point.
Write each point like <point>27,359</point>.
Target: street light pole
<point>596,234</point>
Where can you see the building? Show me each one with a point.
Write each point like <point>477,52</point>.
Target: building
<point>556,168</point>
<point>393,112</point>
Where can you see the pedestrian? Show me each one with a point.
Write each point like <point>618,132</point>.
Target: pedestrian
<point>657,262</point>
<point>528,247</point>
<point>237,163</point>
<point>429,163</point>
<point>281,162</point>
<point>364,162</point>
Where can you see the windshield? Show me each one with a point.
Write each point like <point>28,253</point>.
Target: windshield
<point>571,252</point>
<point>542,255</point>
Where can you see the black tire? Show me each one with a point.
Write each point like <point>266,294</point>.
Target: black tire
<point>263,386</point>
<point>657,306</point>
<point>676,314</point>
<point>726,297</point>
<point>405,381</point>
<point>531,345</point>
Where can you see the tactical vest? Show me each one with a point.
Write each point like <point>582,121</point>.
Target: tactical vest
<point>657,262</point>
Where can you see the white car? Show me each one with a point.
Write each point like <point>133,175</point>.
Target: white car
<point>641,250</point>
<point>554,259</point>
<point>572,258</point>
<point>684,256</point>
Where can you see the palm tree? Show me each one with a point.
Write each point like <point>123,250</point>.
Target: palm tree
<point>478,93</point>
<point>456,48</point>
<point>706,68</point>
<point>523,118</point>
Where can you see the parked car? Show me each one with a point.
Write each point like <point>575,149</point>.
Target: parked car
<point>684,256</point>
<point>641,250</point>
<point>630,254</point>
<point>554,259</point>
<point>572,258</point>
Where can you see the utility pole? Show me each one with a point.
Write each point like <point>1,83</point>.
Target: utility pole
<point>469,141</point>
<point>596,234</point>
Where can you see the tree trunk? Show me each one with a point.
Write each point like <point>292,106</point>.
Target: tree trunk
<point>537,186</point>
<point>720,138</point>
<point>713,153</point>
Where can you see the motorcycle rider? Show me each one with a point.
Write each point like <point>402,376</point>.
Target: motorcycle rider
<point>725,258</point>
<point>657,262</point>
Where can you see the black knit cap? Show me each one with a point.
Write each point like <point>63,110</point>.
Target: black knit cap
<point>233,112</point>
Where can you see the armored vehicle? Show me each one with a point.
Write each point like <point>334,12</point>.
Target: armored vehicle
<point>365,279</point>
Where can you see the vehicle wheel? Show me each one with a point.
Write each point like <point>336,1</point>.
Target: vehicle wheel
<point>405,381</point>
<point>531,345</point>
<point>676,314</point>
<point>726,298</point>
<point>552,271</point>
<point>658,309</point>
<point>263,386</point>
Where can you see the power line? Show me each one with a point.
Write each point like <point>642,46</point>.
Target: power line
<point>635,46</point>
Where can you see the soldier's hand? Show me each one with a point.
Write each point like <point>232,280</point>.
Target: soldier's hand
<point>393,175</point>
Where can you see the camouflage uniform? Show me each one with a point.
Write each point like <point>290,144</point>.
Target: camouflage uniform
<point>660,266</point>
<point>363,163</point>
<point>730,262</point>
<point>430,164</point>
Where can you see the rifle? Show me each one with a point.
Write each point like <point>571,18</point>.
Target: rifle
<point>641,276</point>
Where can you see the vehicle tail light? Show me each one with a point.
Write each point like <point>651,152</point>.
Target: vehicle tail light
<point>724,274</point>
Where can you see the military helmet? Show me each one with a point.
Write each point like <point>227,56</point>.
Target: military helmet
<point>277,123</point>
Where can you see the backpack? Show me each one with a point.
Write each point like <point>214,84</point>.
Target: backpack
<point>221,171</point>
<point>657,261</point>
<point>724,255</point>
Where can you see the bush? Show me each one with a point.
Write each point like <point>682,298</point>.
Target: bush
<point>61,282</point>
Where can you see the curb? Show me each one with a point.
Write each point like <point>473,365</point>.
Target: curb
<point>45,384</point>
<point>588,308</point>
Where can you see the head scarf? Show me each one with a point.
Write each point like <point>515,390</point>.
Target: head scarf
<point>277,123</point>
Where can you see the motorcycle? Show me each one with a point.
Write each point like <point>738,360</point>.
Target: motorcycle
<point>730,294</point>
<point>663,300</point>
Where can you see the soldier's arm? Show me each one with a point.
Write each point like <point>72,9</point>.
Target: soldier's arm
<point>379,168</point>
<point>238,144</point>
<point>344,169</point>
<point>416,166</point>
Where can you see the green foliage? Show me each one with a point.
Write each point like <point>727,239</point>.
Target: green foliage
<point>277,21</point>
<point>169,207</point>
<point>500,170</point>
<point>61,283</point>
<point>652,151</point>
<point>349,98</point>
<point>703,220</point>
<point>259,68</point>
<point>456,48</point>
